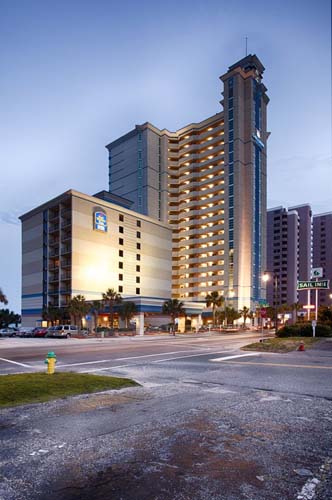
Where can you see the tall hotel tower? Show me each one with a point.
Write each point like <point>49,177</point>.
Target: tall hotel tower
<point>208,181</point>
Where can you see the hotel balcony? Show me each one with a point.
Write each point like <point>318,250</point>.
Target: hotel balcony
<point>53,215</point>
<point>65,263</point>
<point>53,241</point>
<point>54,252</point>
<point>65,249</point>
<point>202,137</point>
<point>53,277</point>
<point>65,223</point>
<point>53,228</point>
<point>65,275</point>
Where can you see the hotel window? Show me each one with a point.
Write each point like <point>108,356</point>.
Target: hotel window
<point>138,291</point>
<point>138,246</point>
<point>138,268</point>
<point>138,234</point>
<point>120,229</point>
<point>121,218</point>
<point>120,265</point>
<point>138,223</point>
<point>120,241</point>
<point>120,277</point>
<point>138,279</point>
<point>138,257</point>
<point>120,253</point>
<point>120,289</point>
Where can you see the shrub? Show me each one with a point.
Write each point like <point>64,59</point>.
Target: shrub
<point>304,330</point>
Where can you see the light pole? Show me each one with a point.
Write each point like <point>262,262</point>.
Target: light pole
<point>266,277</point>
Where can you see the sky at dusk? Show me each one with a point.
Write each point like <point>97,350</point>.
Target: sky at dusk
<point>76,75</point>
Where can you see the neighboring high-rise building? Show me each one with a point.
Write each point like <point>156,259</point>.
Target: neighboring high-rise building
<point>322,252</point>
<point>289,237</point>
<point>208,180</point>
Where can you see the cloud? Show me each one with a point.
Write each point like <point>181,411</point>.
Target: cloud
<point>10,217</point>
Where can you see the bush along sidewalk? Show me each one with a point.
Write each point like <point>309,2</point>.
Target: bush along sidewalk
<point>304,330</point>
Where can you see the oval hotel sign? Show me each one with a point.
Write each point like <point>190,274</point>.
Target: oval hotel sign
<point>100,221</point>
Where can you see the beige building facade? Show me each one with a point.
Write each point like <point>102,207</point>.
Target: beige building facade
<point>80,244</point>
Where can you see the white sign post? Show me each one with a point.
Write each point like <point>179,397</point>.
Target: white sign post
<point>313,324</point>
<point>316,272</point>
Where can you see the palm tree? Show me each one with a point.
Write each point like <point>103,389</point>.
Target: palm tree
<point>245,312</point>
<point>111,297</point>
<point>96,307</point>
<point>127,311</point>
<point>174,308</point>
<point>231,315</point>
<point>3,297</point>
<point>78,308</point>
<point>215,300</point>
<point>296,307</point>
<point>51,314</point>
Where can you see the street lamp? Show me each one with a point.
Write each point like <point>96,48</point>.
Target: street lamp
<point>266,277</point>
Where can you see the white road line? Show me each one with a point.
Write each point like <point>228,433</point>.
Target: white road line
<point>151,355</point>
<point>86,363</point>
<point>16,363</point>
<point>120,359</point>
<point>189,356</point>
<point>235,356</point>
<point>108,368</point>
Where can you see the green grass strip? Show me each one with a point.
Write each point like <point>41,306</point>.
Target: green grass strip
<point>27,388</point>
<point>281,345</point>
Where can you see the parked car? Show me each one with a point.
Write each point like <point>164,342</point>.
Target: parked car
<point>40,332</point>
<point>7,332</point>
<point>62,331</point>
<point>25,331</point>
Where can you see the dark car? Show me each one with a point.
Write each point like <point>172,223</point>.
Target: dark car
<point>39,332</point>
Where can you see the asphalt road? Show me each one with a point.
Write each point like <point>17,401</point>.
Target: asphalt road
<point>209,422</point>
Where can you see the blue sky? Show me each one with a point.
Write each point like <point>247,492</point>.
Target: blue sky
<point>78,74</point>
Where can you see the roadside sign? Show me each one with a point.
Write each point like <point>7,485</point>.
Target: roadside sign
<point>314,323</point>
<point>317,272</point>
<point>263,312</point>
<point>309,306</point>
<point>312,285</point>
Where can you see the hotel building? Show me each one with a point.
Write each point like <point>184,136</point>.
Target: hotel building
<point>322,252</point>
<point>208,181</point>
<point>289,238</point>
<point>80,244</point>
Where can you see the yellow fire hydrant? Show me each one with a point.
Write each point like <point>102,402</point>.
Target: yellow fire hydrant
<point>50,361</point>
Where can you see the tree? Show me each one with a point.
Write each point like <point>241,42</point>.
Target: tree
<point>127,311</point>
<point>215,300</point>
<point>220,315</point>
<point>96,307</point>
<point>325,314</point>
<point>51,314</point>
<point>3,297</point>
<point>245,313</point>
<point>231,315</point>
<point>78,307</point>
<point>8,317</point>
<point>174,308</point>
<point>111,298</point>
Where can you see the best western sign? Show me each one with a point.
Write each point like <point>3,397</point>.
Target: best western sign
<point>312,285</point>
